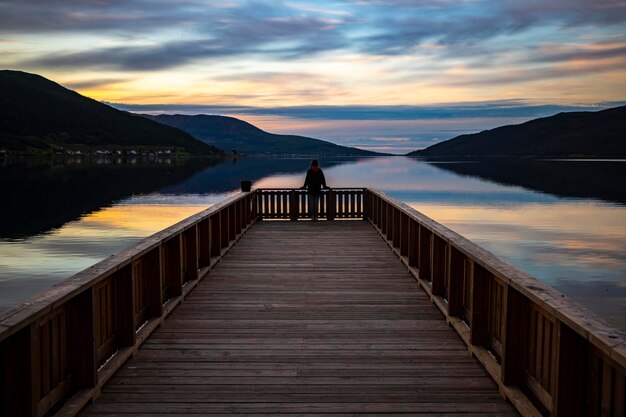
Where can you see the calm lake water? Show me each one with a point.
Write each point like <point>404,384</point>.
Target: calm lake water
<point>562,221</point>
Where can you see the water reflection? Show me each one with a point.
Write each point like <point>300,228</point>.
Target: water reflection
<point>576,247</point>
<point>44,195</point>
<point>545,227</point>
<point>601,179</point>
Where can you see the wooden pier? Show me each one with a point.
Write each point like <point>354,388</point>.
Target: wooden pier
<point>379,312</point>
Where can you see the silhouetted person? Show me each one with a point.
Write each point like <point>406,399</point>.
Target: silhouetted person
<point>313,183</point>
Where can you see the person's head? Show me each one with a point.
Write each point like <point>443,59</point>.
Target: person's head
<point>314,163</point>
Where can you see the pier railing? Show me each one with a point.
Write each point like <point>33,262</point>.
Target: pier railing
<point>58,349</point>
<point>549,356</point>
<point>294,204</point>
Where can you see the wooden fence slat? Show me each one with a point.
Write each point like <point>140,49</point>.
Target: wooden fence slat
<point>216,238</point>
<point>456,276</point>
<point>172,269</point>
<point>413,240</point>
<point>293,205</point>
<point>571,386</point>
<point>204,243</point>
<point>153,283</point>
<point>44,349</point>
<point>124,307</point>
<point>396,228</point>
<point>438,265</point>
<point>404,235</point>
<point>620,393</point>
<point>607,388</point>
<point>479,315</point>
<point>190,251</point>
<point>224,230</point>
<point>424,253</point>
<point>515,338</point>
<point>331,208</point>
<point>82,349</point>
<point>22,372</point>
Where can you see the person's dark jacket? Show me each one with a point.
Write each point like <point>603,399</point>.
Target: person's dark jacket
<point>314,180</point>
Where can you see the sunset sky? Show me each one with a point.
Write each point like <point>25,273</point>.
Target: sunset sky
<point>392,75</point>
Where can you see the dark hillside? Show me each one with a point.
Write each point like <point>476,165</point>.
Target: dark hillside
<point>599,134</point>
<point>38,115</point>
<point>230,133</point>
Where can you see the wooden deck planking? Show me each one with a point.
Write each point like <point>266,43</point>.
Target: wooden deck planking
<point>304,318</point>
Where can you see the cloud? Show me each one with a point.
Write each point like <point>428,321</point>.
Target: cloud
<point>284,30</point>
<point>474,110</point>
<point>593,52</point>
<point>259,30</point>
<point>470,23</point>
<point>378,139</point>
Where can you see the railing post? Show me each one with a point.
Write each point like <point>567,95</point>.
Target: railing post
<point>239,223</point>
<point>294,207</point>
<point>82,349</point>
<point>224,228</point>
<point>21,386</point>
<point>254,207</point>
<point>189,240</point>
<point>395,228</point>
<point>384,218</point>
<point>414,242</point>
<point>515,337</point>
<point>424,253</point>
<point>480,301</point>
<point>216,239</point>
<point>204,243</point>
<point>125,307</point>
<point>230,224</point>
<point>367,209</point>
<point>571,381</point>
<point>456,272</point>
<point>154,277</point>
<point>331,205</point>
<point>172,265</point>
<point>438,265</point>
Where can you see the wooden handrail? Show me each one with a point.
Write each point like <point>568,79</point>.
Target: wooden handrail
<point>58,349</point>
<point>549,355</point>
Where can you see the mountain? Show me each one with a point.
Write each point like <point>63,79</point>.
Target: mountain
<point>39,116</point>
<point>599,134</point>
<point>233,134</point>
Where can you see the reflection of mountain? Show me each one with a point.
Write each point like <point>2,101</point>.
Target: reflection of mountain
<point>228,175</point>
<point>39,197</point>
<point>582,179</point>
<point>44,196</point>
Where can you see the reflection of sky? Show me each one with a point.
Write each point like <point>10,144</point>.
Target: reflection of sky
<point>575,245</point>
<point>46,259</point>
